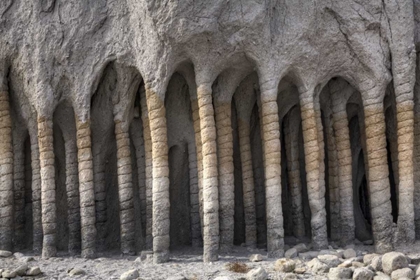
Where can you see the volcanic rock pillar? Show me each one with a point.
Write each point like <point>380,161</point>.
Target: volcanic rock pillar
<point>314,161</point>
<point>148,170</point>
<point>46,155</point>
<point>6,173</point>
<point>225,170</point>
<point>248,183</point>
<point>36,193</point>
<point>210,174</point>
<point>272,155</point>
<point>86,188</point>
<point>19,191</point>
<point>125,189</point>
<point>342,136</point>
<point>161,202</point>
<point>378,180</point>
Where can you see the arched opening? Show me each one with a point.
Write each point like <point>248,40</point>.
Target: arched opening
<point>104,150</point>
<point>181,141</point>
<point>258,169</point>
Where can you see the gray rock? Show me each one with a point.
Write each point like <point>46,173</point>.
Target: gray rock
<point>33,271</point>
<point>76,271</point>
<point>21,270</point>
<point>224,278</point>
<point>330,260</point>
<point>256,258</point>
<point>291,253</point>
<point>130,275</point>
<point>349,253</point>
<point>381,276</point>
<point>309,255</point>
<point>290,276</point>
<point>402,273</point>
<point>8,274</point>
<point>317,266</point>
<point>284,265</point>
<point>257,274</point>
<point>339,273</point>
<point>367,259</point>
<point>301,247</point>
<point>363,274</point>
<point>393,261</point>
<point>377,263</point>
<point>5,254</point>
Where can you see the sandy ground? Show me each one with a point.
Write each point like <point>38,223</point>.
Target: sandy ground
<point>184,264</point>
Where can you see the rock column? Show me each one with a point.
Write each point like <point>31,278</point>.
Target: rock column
<point>380,195</point>
<point>6,174</point>
<point>161,203</point>
<point>86,188</point>
<point>148,170</point>
<point>46,155</point>
<point>314,163</point>
<point>198,146</point>
<point>270,131</point>
<point>210,173</point>
<point>344,155</point>
<point>225,169</point>
<point>73,201</point>
<point>248,183</point>
<point>125,189</point>
<point>36,194</point>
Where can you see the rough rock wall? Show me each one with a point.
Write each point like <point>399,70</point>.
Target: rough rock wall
<point>99,57</point>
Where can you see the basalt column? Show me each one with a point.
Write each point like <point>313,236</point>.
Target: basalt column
<point>161,203</point>
<point>293,170</point>
<point>313,145</point>
<point>226,176</point>
<point>378,180</point>
<point>86,188</point>
<point>148,170</point>
<point>210,174</point>
<point>36,193</point>
<point>73,202</point>
<point>6,174</point>
<point>405,126</point>
<point>125,188</point>
<point>198,147</point>
<point>46,156</point>
<point>270,128</point>
<point>342,136</point>
<point>247,181</point>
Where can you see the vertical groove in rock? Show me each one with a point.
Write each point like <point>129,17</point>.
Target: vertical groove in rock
<point>198,145</point>
<point>6,173</point>
<point>378,180</point>
<point>73,201</point>
<point>160,196</point>
<point>225,170</point>
<point>194,198</point>
<point>36,195</point>
<point>19,192</point>
<point>270,130</point>
<point>125,189</point>
<point>210,174</point>
<point>313,141</point>
<point>86,189</point>
<point>293,166</point>
<point>46,156</point>
<point>248,183</point>
<point>148,170</point>
<point>344,155</point>
<point>100,202</point>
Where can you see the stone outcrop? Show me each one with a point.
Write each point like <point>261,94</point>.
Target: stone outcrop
<point>149,126</point>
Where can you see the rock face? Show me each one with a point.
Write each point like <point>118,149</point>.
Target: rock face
<point>148,126</point>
